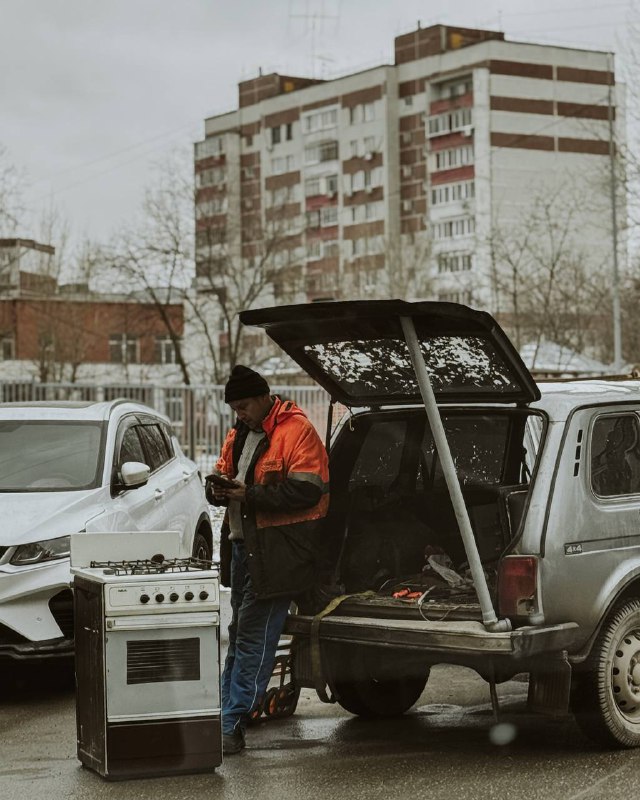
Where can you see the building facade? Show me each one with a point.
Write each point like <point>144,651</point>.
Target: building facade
<point>51,332</point>
<point>399,180</point>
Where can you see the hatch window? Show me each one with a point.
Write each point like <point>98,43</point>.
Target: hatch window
<point>455,363</point>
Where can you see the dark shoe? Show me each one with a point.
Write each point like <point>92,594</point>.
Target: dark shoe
<point>232,743</point>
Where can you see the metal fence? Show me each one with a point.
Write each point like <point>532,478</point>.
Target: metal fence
<point>199,414</point>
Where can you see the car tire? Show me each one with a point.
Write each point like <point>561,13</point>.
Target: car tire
<point>606,695</point>
<point>364,683</point>
<point>201,548</point>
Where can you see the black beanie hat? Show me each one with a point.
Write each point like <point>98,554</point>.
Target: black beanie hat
<point>244,382</point>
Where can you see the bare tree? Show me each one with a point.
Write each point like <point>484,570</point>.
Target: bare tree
<point>238,266</point>
<point>11,206</point>
<point>547,280</point>
<point>154,256</point>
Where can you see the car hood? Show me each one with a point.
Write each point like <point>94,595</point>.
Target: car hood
<point>32,516</point>
<point>356,350</point>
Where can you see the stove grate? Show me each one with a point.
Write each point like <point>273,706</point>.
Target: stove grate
<point>156,565</point>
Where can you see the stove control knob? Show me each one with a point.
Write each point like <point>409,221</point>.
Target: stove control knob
<point>159,598</point>
<point>204,595</point>
<point>144,598</point>
<point>188,595</point>
<point>174,596</point>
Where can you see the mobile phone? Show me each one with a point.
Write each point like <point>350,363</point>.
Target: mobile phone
<point>223,483</point>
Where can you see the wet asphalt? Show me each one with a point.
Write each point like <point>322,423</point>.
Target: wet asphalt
<point>448,746</point>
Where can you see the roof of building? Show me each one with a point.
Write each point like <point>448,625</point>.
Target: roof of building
<point>554,359</point>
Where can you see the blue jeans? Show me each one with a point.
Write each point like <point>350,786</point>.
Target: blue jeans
<point>254,633</point>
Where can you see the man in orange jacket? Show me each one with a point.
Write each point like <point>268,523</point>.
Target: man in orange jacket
<point>280,474</point>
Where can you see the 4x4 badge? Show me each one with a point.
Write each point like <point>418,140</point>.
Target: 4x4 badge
<point>572,549</point>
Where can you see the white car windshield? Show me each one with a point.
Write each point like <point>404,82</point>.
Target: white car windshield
<point>48,456</point>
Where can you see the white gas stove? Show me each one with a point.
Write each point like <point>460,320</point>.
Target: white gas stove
<point>147,586</point>
<point>147,656</point>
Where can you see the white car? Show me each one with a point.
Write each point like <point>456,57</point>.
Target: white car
<point>70,467</point>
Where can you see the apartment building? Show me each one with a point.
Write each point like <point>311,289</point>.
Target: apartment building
<point>391,181</point>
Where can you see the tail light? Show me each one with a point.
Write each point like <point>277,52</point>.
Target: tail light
<point>517,586</point>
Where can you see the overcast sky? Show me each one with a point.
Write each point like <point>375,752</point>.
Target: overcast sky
<point>94,92</point>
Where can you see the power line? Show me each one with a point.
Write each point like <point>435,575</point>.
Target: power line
<point>107,156</point>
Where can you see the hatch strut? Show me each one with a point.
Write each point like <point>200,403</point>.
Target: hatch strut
<point>489,618</point>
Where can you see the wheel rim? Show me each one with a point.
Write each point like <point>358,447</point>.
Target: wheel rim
<point>202,551</point>
<point>625,675</point>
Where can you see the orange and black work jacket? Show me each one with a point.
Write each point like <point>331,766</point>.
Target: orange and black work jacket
<point>287,497</point>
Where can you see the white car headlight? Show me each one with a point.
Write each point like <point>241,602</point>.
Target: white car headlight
<point>46,550</point>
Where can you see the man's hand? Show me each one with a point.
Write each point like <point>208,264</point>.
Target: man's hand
<point>239,492</point>
<point>214,492</point>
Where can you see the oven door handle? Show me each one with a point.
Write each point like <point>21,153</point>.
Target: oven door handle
<point>162,621</point>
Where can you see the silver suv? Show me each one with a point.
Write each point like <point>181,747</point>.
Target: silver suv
<point>74,467</point>
<point>474,519</point>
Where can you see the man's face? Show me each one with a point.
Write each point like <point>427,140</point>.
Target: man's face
<point>252,410</point>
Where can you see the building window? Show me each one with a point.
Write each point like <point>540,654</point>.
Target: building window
<point>451,192</point>
<point>212,146</point>
<point>312,187</point>
<point>314,249</point>
<point>283,195</point>
<point>7,347</point>
<point>275,134</point>
<point>454,262</point>
<point>289,131</point>
<point>313,219</point>
<point>370,245</point>
<point>456,297</point>
<point>329,216</point>
<point>124,349</point>
<point>353,148</point>
<point>248,140</point>
<point>373,211</point>
<point>210,177</point>
<point>165,351</point>
<point>331,184</point>
<point>331,248</point>
<point>457,88</point>
<point>455,228</point>
<point>366,179</point>
<point>363,112</point>
<point>320,120</point>
<point>370,144</point>
<point>457,120</point>
<point>455,157</point>
<point>283,164</point>
<point>317,153</point>
<point>208,208</point>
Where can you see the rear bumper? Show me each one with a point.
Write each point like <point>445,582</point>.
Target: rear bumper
<point>444,641</point>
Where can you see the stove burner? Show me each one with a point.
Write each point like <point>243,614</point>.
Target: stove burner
<point>153,566</point>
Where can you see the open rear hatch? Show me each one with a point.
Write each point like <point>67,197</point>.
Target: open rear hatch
<point>357,351</point>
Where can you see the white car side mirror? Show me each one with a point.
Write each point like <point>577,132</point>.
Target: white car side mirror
<point>134,474</point>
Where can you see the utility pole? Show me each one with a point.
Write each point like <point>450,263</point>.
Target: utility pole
<point>615,289</point>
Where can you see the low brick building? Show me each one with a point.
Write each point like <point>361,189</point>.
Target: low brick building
<point>51,332</point>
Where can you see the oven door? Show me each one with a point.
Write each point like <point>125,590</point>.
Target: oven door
<point>162,666</point>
